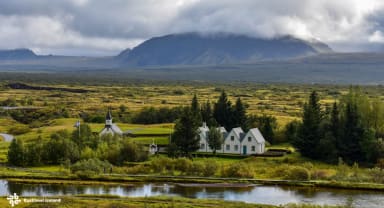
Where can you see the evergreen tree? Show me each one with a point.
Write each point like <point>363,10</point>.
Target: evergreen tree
<point>16,153</point>
<point>267,128</point>
<point>223,111</point>
<point>207,114</point>
<point>215,139</point>
<point>309,133</point>
<point>185,133</point>
<point>291,130</point>
<point>195,108</point>
<point>239,116</point>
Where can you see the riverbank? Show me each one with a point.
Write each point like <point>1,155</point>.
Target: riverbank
<point>125,180</point>
<point>149,202</point>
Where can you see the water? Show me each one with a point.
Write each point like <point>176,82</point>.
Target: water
<point>256,194</point>
<point>7,137</point>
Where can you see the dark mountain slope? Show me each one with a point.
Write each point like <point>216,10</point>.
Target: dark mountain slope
<point>17,54</point>
<point>196,49</point>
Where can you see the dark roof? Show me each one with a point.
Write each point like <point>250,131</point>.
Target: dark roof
<point>109,115</point>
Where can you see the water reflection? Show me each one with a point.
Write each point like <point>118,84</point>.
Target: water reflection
<point>259,194</point>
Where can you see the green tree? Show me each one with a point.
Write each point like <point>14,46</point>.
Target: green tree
<point>207,114</point>
<point>195,107</point>
<point>223,111</point>
<point>215,139</point>
<point>185,133</point>
<point>16,153</point>
<point>239,116</point>
<point>34,152</point>
<point>291,130</point>
<point>309,134</point>
<point>132,152</point>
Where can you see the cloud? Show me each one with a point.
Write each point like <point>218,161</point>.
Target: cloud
<point>100,27</point>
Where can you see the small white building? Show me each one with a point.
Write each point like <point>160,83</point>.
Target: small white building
<point>253,142</point>
<point>234,142</point>
<point>110,127</point>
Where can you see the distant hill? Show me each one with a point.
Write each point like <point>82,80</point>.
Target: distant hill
<point>215,49</point>
<point>17,54</point>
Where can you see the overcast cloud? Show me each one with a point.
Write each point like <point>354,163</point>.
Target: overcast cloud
<point>100,27</point>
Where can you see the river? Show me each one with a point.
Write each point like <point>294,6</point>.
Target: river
<point>274,195</point>
<point>7,137</point>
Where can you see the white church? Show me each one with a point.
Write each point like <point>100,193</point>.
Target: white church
<point>235,142</point>
<point>110,127</point>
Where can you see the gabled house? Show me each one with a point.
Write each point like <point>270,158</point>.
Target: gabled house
<point>234,142</point>
<point>253,142</point>
<point>203,137</point>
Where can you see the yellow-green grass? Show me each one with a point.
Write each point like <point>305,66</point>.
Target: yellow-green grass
<point>106,201</point>
<point>149,140</point>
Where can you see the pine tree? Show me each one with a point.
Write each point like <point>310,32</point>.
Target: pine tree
<point>309,133</point>
<point>207,114</point>
<point>215,139</point>
<point>195,108</point>
<point>185,133</point>
<point>239,116</point>
<point>223,111</point>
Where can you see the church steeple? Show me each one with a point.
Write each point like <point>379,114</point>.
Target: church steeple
<point>108,119</point>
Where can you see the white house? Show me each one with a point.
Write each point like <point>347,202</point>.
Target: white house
<point>110,127</point>
<point>253,142</point>
<point>203,136</point>
<point>234,142</point>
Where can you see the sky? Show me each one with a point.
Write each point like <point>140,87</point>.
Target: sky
<point>106,27</point>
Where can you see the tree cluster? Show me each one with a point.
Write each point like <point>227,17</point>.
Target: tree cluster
<point>63,147</point>
<point>350,129</point>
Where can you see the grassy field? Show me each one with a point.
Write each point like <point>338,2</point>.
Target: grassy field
<point>149,202</point>
<point>283,101</point>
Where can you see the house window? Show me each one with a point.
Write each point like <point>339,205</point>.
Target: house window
<point>202,146</point>
<point>232,138</point>
<point>249,139</point>
<point>236,148</point>
<point>227,147</point>
<point>253,148</point>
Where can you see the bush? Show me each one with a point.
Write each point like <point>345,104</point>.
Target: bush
<point>288,172</point>
<point>90,167</point>
<point>238,170</point>
<point>138,169</point>
<point>210,168</point>
<point>161,164</point>
<point>182,164</point>
<point>298,173</point>
<point>196,169</point>
<point>17,130</point>
<point>133,152</point>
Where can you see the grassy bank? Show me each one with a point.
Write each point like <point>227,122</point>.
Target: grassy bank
<point>149,202</point>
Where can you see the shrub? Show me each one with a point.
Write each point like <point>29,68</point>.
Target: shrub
<point>138,169</point>
<point>161,164</point>
<point>298,173</point>
<point>90,167</point>
<point>288,172</point>
<point>196,168</point>
<point>182,164</point>
<point>210,168</point>
<point>319,175</point>
<point>17,130</point>
<point>240,170</point>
